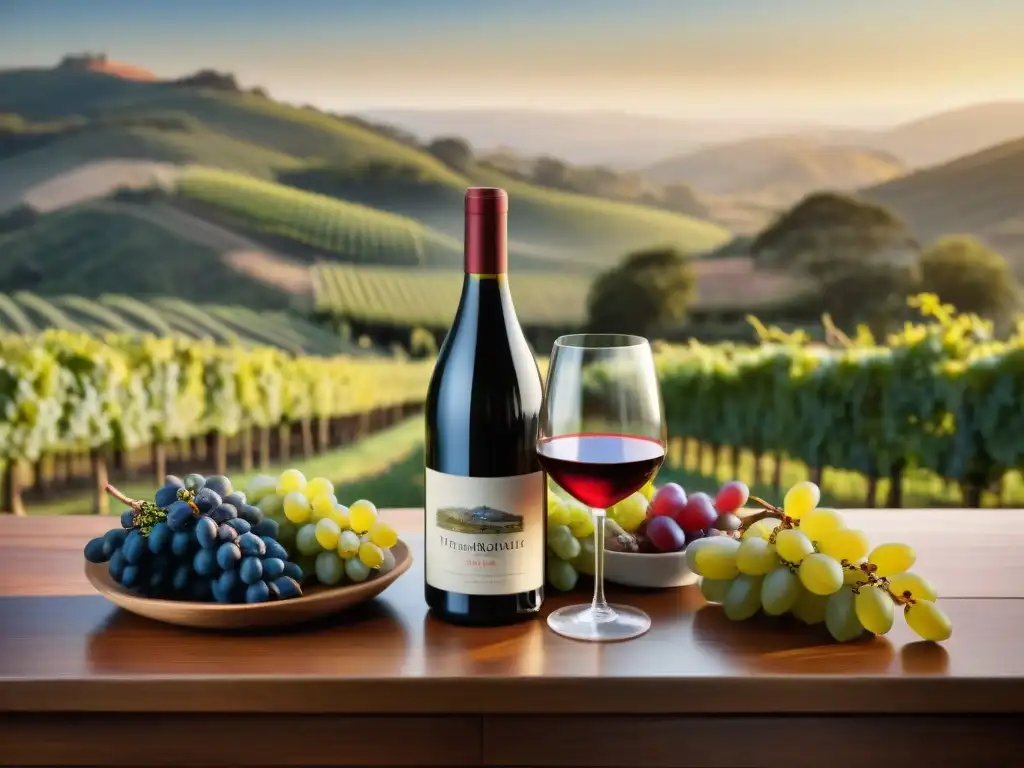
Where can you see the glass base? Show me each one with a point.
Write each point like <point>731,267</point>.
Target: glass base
<point>581,622</point>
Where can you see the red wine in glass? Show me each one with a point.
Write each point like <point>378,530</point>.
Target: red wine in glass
<point>600,470</point>
<point>601,438</point>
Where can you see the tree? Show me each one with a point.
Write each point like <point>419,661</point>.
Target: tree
<point>453,151</point>
<point>649,290</point>
<point>209,78</point>
<point>861,256</point>
<point>970,276</point>
<point>551,172</point>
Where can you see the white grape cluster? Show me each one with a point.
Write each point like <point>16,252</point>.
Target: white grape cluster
<point>805,561</point>
<point>571,534</point>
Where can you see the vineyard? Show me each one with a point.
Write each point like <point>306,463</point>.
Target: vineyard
<point>26,313</point>
<point>409,298</point>
<point>937,397</point>
<point>350,231</point>
<point>70,399</point>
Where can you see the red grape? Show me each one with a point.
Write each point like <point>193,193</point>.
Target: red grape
<point>667,502</point>
<point>732,496</point>
<point>698,513</point>
<point>665,534</point>
<point>694,535</point>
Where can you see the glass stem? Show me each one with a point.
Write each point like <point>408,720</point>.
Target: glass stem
<point>599,606</point>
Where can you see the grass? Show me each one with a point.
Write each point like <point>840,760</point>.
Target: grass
<point>379,468</point>
<point>839,488</point>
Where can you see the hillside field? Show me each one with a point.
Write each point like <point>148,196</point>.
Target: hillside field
<point>28,313</point>
<point>407,298</point>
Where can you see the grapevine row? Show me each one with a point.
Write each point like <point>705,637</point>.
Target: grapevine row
<point>347,230</point>
<point>67,393</point>
<point>939,396</point>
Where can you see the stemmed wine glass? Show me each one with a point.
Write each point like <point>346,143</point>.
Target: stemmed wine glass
<point>602,437</point>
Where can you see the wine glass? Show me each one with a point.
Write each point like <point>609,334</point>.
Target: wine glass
<point>602,438</point>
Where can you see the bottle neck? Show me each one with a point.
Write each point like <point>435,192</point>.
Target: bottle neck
<point>486,243</point>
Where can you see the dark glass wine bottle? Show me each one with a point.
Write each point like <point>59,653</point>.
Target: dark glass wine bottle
<point>486,495</point>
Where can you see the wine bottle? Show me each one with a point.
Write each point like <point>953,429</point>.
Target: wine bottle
<point>486,495</point>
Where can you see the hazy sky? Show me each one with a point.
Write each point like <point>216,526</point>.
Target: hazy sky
<point>860,61</point>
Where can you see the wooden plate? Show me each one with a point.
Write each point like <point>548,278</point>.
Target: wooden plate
<point>316,602</point>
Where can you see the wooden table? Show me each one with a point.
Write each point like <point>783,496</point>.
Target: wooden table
<point>82,683</point>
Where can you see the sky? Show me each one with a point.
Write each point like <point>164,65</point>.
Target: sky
<point>868,62</point>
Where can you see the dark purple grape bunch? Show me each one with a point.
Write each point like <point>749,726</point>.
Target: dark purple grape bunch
<point>197,540</point>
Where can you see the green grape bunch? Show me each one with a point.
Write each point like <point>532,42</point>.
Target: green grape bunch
<point>803,560</point>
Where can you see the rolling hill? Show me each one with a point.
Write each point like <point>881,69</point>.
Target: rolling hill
<point>944,136</point>
<point>778,169</point>
<point>629,141</point>
<point>981,194</point>
<point>324,153</point>
<point>97,248</point>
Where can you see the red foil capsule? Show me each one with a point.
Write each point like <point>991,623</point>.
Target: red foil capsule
<point>486,243</point>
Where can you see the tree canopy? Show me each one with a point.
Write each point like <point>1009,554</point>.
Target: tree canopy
<point>973,278</point>
<point>648,290</point>
<point>453,151</point>
<point>860,254</point>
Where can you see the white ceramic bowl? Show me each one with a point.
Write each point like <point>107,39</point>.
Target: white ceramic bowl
<point>656,571</point>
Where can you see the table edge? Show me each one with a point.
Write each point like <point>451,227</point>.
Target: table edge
<point>811,694</point>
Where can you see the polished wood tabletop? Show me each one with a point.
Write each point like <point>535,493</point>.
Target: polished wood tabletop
<point>63,649</point>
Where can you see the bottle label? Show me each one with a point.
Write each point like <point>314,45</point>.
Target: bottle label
<point>485,535</point>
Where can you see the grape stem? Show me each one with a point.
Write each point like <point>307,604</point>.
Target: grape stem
<point>878,582</point>
<point>133,503</point>
<point>749,520</point>
<point>768,507</point>
<point>145,514</point>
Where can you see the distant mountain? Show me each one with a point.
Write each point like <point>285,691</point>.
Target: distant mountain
<point>945,136</point>
<point>617,139</point>
<point>980,194</point>
<point>625,140</point>
<point>780,169</point>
